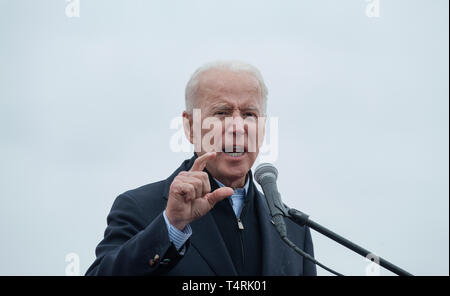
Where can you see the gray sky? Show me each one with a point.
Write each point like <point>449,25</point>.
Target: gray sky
<point>362,106</point>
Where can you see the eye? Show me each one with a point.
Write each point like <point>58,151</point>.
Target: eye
<point>249,114</point>
<point>220,113</point>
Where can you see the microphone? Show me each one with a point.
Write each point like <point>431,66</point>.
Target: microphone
<point>266,175</point>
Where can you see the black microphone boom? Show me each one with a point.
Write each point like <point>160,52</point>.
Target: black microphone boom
<point>303,219</point>
<point>266,175</point>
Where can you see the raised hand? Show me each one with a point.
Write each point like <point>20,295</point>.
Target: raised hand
<point>190,195</point>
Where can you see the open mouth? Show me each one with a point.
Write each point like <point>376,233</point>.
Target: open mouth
<point>235,154</point>
<point>234,151</point>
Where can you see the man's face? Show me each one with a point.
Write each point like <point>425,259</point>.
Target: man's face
<point>232,100</point>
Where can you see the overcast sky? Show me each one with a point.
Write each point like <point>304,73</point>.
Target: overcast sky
<point>361,102</point>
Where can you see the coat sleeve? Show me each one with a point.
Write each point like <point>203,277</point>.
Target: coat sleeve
<point>309,268</point>
<point>130,247</point>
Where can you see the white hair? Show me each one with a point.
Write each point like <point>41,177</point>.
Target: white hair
<point>233,66</point>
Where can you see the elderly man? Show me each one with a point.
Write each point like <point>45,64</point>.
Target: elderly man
<point>207,218</point>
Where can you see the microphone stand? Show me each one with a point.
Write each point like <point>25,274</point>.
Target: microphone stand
<point>303,219</point>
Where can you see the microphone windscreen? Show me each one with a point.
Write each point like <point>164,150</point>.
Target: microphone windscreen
<point>263,169</point>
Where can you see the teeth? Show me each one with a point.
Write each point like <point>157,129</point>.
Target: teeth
<point>234,149</point>
<point>235,154</point>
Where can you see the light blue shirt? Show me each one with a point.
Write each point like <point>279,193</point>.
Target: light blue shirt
<point>238,197</point>
<point>176,236</point>
<point>179,237</point>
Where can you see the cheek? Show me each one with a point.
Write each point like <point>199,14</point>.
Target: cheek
<point>212,135</point>
<point>252,138</point>
<point>251,157</point>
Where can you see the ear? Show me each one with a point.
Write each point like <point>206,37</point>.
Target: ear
<point>188,126</point>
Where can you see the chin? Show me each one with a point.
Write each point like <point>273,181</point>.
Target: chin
<point>234,167</point>
<point>232,172</point>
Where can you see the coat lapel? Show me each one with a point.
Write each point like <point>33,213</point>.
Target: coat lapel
<point>272,245</point>
<point>206,239</point>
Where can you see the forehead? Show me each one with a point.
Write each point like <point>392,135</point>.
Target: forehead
<point>217,86</point>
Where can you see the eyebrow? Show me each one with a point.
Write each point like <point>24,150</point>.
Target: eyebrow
<point>227,107</point>
<point>221,106</point>
<point>251,108</point>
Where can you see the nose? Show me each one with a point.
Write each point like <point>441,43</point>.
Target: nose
<point>236,126</point>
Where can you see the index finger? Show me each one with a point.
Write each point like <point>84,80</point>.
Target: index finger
<point>201,161</point>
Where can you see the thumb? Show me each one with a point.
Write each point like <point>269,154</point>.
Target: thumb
<point>219,194</point>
